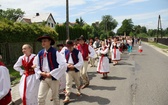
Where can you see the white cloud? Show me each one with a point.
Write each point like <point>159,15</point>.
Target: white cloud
<point>144,16</point>
<point>34,6</point>
<point>134,1</point>
<point>149,20</point>
<point>101,5</point>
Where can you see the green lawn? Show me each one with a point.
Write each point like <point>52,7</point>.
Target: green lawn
<point>15,76</point>
<point>159,45</point>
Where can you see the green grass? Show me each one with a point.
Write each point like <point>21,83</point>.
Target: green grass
<point>159,45</point>
<point>14,75</point>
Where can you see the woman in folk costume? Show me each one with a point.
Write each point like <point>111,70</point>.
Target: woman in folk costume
<point>92,58</point>
<point>28,83</point>
<point>103,64</point>
<point>129,43</point>
<point>5,84</point>
<point>140,49</point>
<point>115,52</point>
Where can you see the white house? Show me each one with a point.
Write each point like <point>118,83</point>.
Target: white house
<point>38,18</point>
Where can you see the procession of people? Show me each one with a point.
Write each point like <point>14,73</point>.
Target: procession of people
<point>57,69</point>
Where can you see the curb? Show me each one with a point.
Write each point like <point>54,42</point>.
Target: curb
<point>16,100</point>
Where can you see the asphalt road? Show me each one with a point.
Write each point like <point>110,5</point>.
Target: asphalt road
<point>139,79</point>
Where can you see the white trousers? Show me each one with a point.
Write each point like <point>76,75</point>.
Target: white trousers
<point>70,77</point>
<point>83,73</point>
<point>44,87</point>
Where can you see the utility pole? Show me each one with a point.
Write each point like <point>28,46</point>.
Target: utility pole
<point>159,28</point>
<point>67,19</point>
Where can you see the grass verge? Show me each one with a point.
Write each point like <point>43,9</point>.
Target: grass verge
<point>14,75</point>
<point>159,45</point>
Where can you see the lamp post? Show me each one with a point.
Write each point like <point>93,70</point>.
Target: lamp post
<point>67,19</point>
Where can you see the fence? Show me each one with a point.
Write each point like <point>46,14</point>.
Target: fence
<point>144,39</point>
<point>159,40</point>
<point>12,51</point>
<point>163,41</point>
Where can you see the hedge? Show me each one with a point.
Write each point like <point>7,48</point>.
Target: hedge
<point>19,32</point>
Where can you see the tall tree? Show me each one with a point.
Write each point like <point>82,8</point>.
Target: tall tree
<point>12,14</point>
<point>108,24</point>
<point>127,27</point>
<point>80,22</point>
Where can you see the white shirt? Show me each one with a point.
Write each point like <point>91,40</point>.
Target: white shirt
<point>57,72</point>
<point>17,66</point>
<point>92,52</point>
<point>101,51</point>
<point>79,64</point>
<point>5,84</point>
<point>114,44</point>
<point>63,50</point>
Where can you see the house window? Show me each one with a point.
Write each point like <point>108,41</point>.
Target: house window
<point>49,24</point>
<point>52,25</point>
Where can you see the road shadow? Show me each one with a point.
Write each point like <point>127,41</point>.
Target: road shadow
<point>88,98</point>
<point>124,63</point>
<point>92,75</point>
<point>115,78</point>
<point>95,87</point>
<point>137,54</point>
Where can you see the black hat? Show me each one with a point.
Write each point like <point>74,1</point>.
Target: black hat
<point>82,38</point>
<point>58,45</point>
<point>69,43</point>
<point>46,37</point>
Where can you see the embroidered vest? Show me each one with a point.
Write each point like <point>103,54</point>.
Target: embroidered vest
<point>74,57</point>
<point>115,46</point>
<point>84,50</point>
<point>28,66</point>
<point>51,57</point>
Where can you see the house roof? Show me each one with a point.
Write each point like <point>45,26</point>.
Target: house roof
<point>38,18</point>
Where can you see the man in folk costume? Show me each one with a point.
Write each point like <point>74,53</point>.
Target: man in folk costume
<point>5,84</point>
<point>115,52</point>
<point>74,64</point>
<point>50,66</point>
<point>103,64</point>
<point>29,85</point>
<point>87,51</point>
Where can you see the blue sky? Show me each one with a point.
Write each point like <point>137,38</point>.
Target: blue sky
<point>142,12</point>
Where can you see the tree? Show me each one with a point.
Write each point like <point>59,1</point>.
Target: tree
<point>152,32</point>
<point>108,24</point>
<point>137,29</point>
<point>96,29</point>
<point>165,32</point>
<point>11,14</point>
<point>89,30</point>
<point>80,22</point>
<point>143,29</point>
<point>127,27</point>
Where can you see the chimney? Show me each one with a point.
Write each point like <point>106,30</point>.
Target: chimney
<point>37,14</point>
